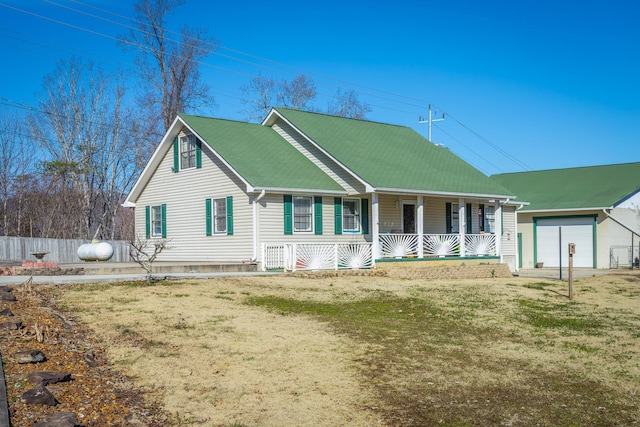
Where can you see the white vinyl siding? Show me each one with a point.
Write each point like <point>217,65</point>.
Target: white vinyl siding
<point>435,218</point>
<point>185,194</point>
<point>271,229</point>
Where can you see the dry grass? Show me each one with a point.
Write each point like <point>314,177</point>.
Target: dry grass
<point>267,351</point>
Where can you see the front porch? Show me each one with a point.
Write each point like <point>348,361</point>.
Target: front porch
<point>336,256</point>
<point>400,227</point>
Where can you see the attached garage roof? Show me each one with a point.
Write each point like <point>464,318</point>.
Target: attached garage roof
<point>574,188</point>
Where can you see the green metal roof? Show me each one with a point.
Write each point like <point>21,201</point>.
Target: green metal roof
<point>392,157</point>
<point>261,156</point>
<point>574,188</point>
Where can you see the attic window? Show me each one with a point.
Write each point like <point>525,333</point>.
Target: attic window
<point>187,151</point>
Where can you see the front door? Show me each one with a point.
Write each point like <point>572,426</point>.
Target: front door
<point>408,219</point>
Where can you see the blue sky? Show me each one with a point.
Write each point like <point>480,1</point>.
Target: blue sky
<point>524,85</point>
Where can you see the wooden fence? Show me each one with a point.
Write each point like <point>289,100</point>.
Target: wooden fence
<point>19,249</point>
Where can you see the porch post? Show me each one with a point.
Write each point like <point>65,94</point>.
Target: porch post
<point>420,226</point>
<point>462,225</point>
<point>498,224</point>
<point>375,237</point>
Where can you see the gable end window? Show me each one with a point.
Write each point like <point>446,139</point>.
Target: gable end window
<point>187,153</point>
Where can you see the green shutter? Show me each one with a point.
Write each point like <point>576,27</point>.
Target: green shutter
<point>317,213</point>
<point>198,154</point>
<point>448,219</point>
<point>468,209</point>
<point>288,214</point>
<point>207,203</point>
<point>230,215</point>
<point>164,221</point>
<point>147,220</point>
<point>337,213</point>
<point>176,155</point>
<point>364,215</point>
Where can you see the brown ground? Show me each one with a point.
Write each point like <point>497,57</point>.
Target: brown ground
<point>98,395</point>
<point>192,353</point>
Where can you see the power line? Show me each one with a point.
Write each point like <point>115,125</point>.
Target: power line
<point>392,97</point>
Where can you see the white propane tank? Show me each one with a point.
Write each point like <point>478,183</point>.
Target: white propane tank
<point>102,251</point>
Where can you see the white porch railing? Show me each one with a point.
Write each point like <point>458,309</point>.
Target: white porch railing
<point>480,245</point>
<point>398,245</point>
<point>335,256</point>
<point>441,245</point>
<point>316,256</point>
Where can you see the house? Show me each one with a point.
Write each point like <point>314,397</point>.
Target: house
<point>308,190</point>
<point>594,207</point>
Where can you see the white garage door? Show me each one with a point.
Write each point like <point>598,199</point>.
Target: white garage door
<point>570,230</point>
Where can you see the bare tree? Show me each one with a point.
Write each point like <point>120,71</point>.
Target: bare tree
<point>263,93</point>
<point>16,161</point>
<point>167,65</point>
<point>145,251</point>
<point>83,130</point>
<point>298,93</point>
<point>347,104</point>
<point>259,96</point>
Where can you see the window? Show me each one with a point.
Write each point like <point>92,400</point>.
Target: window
<point>302,214</point>
<point>156,221</point>
<point>220,216</point>
<point>187,151</point>
<point>490,219</point>
<point>455,218</point>
<point>351,215</point>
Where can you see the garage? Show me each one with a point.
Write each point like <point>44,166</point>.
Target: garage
<point>555,234</point>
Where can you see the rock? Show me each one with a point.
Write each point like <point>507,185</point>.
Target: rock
<point>6,312</point>
<point>59,419</point>
<point>89,357</point>
<point>29,356</point>
<point>11,325</point>
<point>7,296</point>
<point>6,289</point>
<point>39,396</point>
<point>46,378</point>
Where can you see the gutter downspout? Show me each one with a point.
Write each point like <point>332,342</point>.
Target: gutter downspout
<point>255,225</point>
